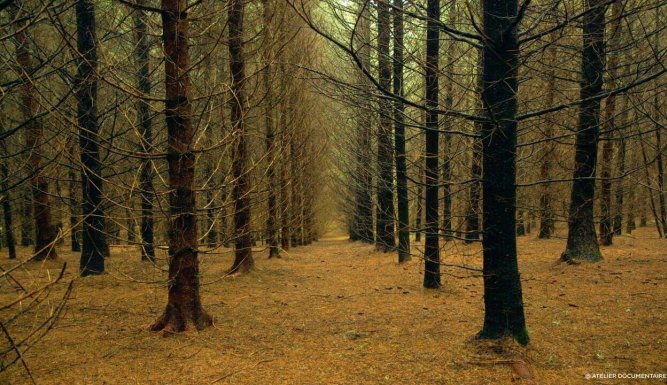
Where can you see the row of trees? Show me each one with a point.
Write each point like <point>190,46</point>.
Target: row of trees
<point>209,123</point>
<point>165,125</point>
<point>507,103</point>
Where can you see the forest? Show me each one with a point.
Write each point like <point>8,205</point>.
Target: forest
<point>333,192</point>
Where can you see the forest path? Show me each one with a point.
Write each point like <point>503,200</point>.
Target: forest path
<point>337,312</point>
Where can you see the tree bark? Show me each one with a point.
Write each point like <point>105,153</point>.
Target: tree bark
<point>419,212</point>
<point>620,170</point>
<point>44,231</point>
<point>94,237</point>
<point>184,304</point>
<point>129,221</point>
<point>364,198</point>
<point>520,223</point>
<point>431,245</point>
<point>385,157</point>
<point>7,205</point>
<point>658,132</point>
<point>296,194</point>
<point>581,239</point>
<point>446,138</point>
<point>606,214</point>
<point>26,217</point>
<point>548,151</point>
<point>73,207</point>
<point>399,139</point>
<point>243,261</point>
<point>285,196</point>
<point>272,206</point>
<point>649,191</point>
<point>211,223</point>
<point>472,232</point>
<point>142,53</point>
<point>503,300</point>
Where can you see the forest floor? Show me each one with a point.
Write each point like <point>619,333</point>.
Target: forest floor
<point>338,312</point>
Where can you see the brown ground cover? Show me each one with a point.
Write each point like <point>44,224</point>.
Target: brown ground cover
<point>337,312</point>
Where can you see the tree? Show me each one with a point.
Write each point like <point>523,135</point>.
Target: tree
<point>662,218</point>
<point>419,211</point>
<point>547,224</point>
<point>27,221</point>
<point>446,137</point>
<point>503,300</point>
<point>94,238</point>
<point>142,50</point>
<point>73,207</point>
<point>8,219</point>
<point>363,211</point>
<point>581,239</point>
<point>384,226</point>
<point>285,196</point>
<point>271,148</point>
<point>44,231</point>
<point>475,193</point>
<point>399,139</point>
<point>184,304</point>
<point>243,261</point>
<point>607,218</point>
<point>620,170</point>
<point>431,244</point>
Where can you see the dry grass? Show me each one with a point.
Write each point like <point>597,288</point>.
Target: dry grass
<point>339,313</point>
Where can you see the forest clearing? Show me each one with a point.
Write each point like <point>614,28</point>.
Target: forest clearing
<point>338,312</point>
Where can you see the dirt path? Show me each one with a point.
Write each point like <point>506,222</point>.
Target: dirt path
<point>338,313</point>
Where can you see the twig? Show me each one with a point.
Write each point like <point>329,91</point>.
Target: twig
<point>18,352</point>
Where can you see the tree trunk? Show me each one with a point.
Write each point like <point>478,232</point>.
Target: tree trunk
<point>73,207</point>
<point>431,245</point>
<point>285,196</point>
<point>649,191</point>
<point>548,150</point>
<point>363,200</point>
<point>446,138</point>
<point>399,139</point>
<point>44,231</point>
<point>142,51</point>
<point>662,218</point>
<point>272,206</point>
<point>472,211</point>
<point>631,224</point>
<point>94,238</point>
<point>419,212</point>
<point>658,130</point>
<point>503,301</point>
<point>243,261</point>
<point>661,174</point>
<point>184,304</point>
<point>7,206</point>
<point>129,221</point>
<point>224,226</point>
<point>581,239</point>
<point>211,223</point>
<point>606,214</point>
<point>26,217</point>
<point>620,170</point>
<point>520,223</point>
<point>296,195</point>
<point>385,157</point>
